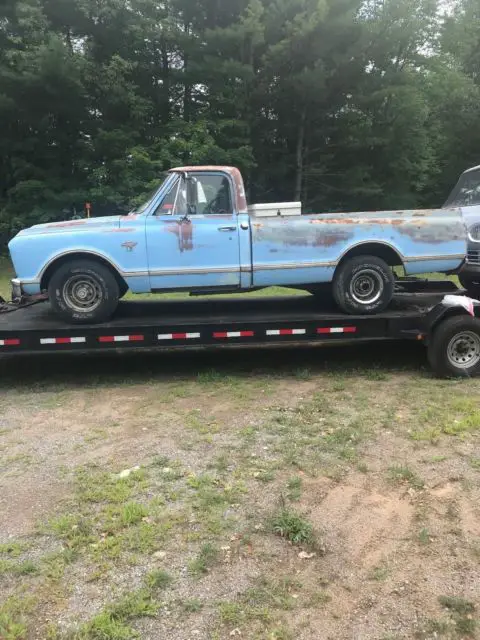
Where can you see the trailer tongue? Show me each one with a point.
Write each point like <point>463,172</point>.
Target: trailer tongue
<point>451,334</point>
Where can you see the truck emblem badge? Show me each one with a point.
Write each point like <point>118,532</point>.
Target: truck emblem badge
<point>129,245</point>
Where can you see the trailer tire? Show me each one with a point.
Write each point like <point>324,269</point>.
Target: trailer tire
<point>454,349</point>
<point>84,291</point>
<point>363,285</point>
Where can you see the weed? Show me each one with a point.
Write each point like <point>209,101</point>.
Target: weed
<point>475,463</point>
<point>13,549</point>
<point>302,374</point>
<point>379,573</point>
<point>293,527</point>
<point>424,536</point>
<point>458,605</point>
<point>104,627</point>
<point>403,474</point>
<point>206,559</point>
<point>134,605</point>
<point>294,486</point>
<point>264,476</point>
<point>462,612</point>
<point>132,513</point>
<point>12,617</point>
<point>158,579</point>
<point>231,613</point>
<point>192,606</point>
<point>211,377</point>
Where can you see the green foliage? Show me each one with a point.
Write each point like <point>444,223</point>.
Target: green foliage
<point>346,104</point>
<point>290,525</point>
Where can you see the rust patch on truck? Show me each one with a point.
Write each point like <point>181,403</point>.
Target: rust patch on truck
<point>183,229</point>
<point>292,236</point>
<point>69,223</point>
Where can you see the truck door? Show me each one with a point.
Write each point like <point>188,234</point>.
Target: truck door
<point>193,236</point>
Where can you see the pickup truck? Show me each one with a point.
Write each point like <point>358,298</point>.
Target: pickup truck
<point>466,194</point>
<point>196,233</point>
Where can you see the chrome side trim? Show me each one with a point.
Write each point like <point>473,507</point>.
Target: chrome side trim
<point>182,272</point>
<point>293,265</point>
<point>458,256</point>
<point>21,282</point>
<point>133,274</point>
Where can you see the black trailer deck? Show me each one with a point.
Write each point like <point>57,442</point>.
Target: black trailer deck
<point>232,321</point>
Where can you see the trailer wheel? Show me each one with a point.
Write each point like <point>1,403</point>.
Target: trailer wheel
<point>83,291</point>
<point>454,350</point>
<point>363,285</point>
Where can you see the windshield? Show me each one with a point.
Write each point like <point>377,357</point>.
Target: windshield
<point>152,196</point>
<point>467,190</point>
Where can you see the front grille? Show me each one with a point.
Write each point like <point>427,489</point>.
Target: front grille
<point>473,257</point>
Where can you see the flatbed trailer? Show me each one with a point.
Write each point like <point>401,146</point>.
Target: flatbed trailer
<point>451,334</point>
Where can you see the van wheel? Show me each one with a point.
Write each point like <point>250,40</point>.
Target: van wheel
<point>454,349</point>
<point>83,291</point>
<point>363,285</point>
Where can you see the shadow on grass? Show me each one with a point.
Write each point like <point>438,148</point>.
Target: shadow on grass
<point>63,371</point>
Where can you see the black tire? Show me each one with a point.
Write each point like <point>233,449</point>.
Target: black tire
<point>454,349</point>
<point>363,285</point>
<point>123,290</point>
<point>471,283</point>
<point>87,278</point>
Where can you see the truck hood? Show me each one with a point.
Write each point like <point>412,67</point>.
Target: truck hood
<point>72,226</point>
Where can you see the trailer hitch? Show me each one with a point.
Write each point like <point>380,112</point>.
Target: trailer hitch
<point>21,302</point>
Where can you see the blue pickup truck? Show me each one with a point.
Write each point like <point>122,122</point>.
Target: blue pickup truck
<point>196,233</point>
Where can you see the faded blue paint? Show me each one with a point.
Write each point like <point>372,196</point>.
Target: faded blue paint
<point>165,252</point>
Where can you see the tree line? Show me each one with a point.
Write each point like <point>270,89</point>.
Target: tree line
<point>343,104</point>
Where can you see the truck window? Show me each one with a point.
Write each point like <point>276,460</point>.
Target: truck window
<point>467,190</point>
<point>168,202</point>
<point>212,195</point>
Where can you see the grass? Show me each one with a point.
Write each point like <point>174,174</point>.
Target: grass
<point>206,559</point>
<point>462,613</point>
<point>293,527</point>
<point>400,473</point>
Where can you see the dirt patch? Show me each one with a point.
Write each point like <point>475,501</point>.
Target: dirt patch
<point>357,458</point>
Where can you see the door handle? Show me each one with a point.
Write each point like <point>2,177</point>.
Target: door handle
<point>227,228</point>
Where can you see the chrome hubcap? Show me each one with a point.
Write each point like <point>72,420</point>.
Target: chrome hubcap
<point>366,286</point>
<point>82,293</point>
<point>464,350</point>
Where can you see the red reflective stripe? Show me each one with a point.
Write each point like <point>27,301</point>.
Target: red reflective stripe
<point>11,342</point>
<point>179,336</point>
<point>106,339</point>
<point>285,332</point>
<point>234,334</point>
<point>136,338</point>
<point>330,330</point>
<point>63,340</point>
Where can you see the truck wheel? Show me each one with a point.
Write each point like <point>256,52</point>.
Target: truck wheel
<point>454,350</point>
<point>471,284</point>
<point>83,291</point>
<point>363,285</point>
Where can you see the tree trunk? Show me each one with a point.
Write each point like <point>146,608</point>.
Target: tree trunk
<point>300,155</point>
